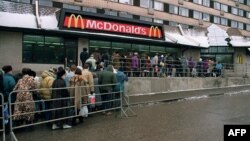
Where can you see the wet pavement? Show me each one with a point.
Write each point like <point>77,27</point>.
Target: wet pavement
<point>193,119</point>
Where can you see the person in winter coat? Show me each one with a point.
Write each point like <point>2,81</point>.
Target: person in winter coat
<point>24,100</point>
<point>8,82</point>
<point>77,82</point>
<point>84,56</point>
<point>205,67</point>
<point>97,92</point>
<point>47,80</point>
<point>107,77</point>
<point>92,63</point>
<point>57,102</point>
<point>88,83</point>
<point>135,65</point>
<point>191,65</point>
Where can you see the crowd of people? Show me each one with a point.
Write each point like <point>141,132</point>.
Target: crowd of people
<point>143,65</point>
<point>64,87</point>
<point>46,97</point>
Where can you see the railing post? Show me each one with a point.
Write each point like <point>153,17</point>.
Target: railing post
<point>2,117</point>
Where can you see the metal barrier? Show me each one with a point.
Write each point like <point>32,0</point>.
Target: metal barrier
<point>178,68</point>
<point>112,99</point>
<point>2,125</point>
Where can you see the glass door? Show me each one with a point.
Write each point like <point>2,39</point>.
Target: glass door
<point>70,52</point>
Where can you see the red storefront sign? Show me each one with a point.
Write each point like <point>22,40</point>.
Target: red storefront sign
<point>79,22</point>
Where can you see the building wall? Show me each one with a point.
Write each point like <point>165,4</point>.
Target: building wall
<point>167,16</point>
<point>192,52</point>
<point>244,67</point>
<point>11,49</point>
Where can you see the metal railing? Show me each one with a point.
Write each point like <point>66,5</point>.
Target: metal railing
<point>2,125</point>
<point>71,107</point>
<point>177,68</point>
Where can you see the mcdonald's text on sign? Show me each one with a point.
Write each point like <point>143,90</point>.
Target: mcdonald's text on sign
<point>79,22</point>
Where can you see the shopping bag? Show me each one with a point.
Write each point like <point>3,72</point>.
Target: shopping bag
<point>91,99</point>
<point>84,111</point>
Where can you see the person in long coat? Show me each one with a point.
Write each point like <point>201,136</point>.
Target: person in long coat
<point>77,82</point>
<point>20,109</point>
<point>107,77</point>
<point>88,82</point>
<point>57,102</point>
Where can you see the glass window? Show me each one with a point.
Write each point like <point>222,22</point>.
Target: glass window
<point>212,49</point>
<point>240,1</point>
<point>121,46</point>
<point>234,24</point>
<point>206,17</point>
<point>173,9</point>
<point>183,12</point>
<point>217,5</point>
<point>110,12</point>
<point>144,3</point>
<point>52,49</point>
<point>99,44</point>
<point>158,21</point>
<point>89,9</point>
<point>173,23</point>
<point>140,48</point>
<point>216,19</point>
<point>240,25</point>
<point>234,11</point>
<point>197,15</point>
<point>224,7</point>
<point>45,3</point>
<point>224,21</point>
<point>130,2</point>
<point>248,2</point>
<point>248,15</point>
<point>198,1</point>
<point>206,3</point>
<point>241,12</point>
<point>158,6</point>
<point>184,26</point>
<point>158,49</point>
<point>125,15</point>
<point>69,6</point>
<point>22,1</point>
<point>145,18</point>
<point>248,27</point>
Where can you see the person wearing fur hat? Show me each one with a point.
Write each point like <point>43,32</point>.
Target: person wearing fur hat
<point>57,94</point>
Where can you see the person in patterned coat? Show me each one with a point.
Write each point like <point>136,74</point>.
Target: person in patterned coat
<point>22,111</point>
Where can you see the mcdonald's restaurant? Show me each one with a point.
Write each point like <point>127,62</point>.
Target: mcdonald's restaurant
<point>55,37</point>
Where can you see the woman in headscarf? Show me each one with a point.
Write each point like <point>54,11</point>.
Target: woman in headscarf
<point>58,102</point>
<point>24,101</point>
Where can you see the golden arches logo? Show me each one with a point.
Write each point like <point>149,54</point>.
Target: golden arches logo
<point>76,19</point>
<point>154,32</point>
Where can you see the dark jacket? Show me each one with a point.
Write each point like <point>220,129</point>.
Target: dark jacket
<point>60,93</point>
<point>107,77</point>
<point>8,84</point>
<point>84,56</point>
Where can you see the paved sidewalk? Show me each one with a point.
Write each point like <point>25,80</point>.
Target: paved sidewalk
<point>190,120</point>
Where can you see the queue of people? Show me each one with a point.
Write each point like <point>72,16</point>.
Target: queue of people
<point>50,96</point>
<point>134,64</point>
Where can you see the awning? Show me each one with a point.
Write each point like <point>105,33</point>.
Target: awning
<point>191,37</point>
<point>23,16</point>
<point>239,41</point>
<point>216,36</point>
